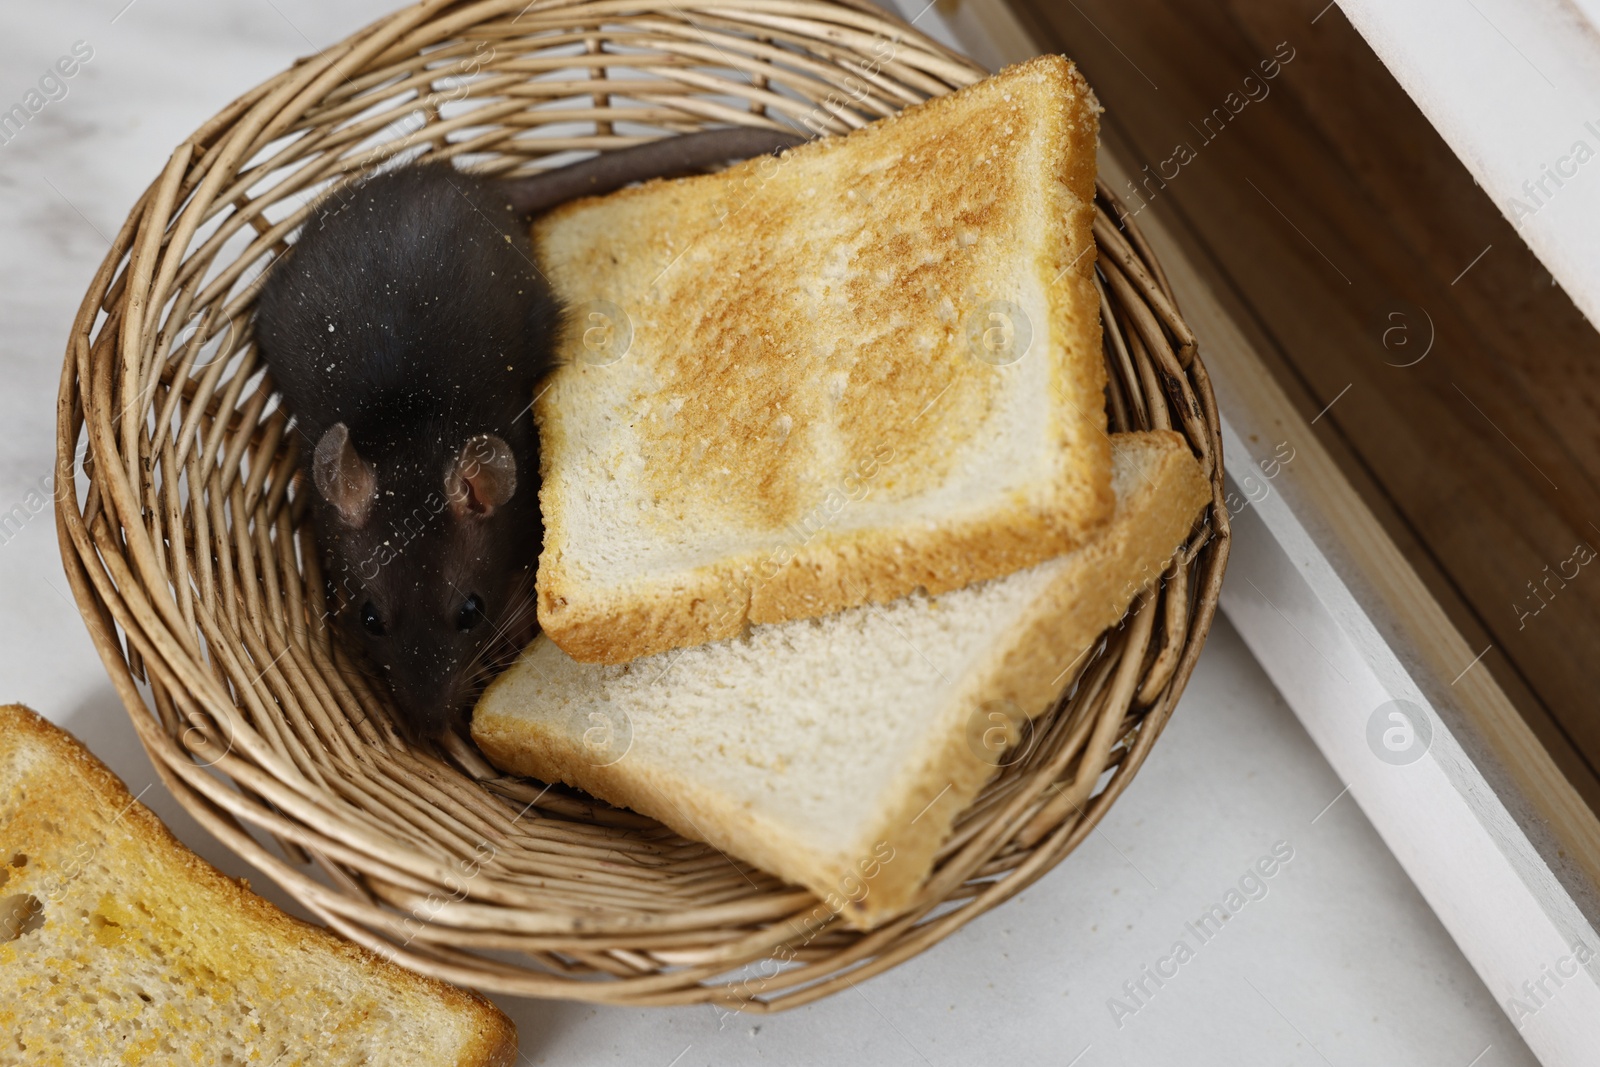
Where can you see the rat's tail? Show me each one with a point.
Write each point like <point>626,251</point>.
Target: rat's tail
<point>669,157</point>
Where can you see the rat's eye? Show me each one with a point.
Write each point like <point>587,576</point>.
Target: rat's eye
<point>471,613</point>
<point>370,621</point>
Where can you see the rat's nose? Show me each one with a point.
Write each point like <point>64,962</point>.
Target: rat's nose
<point>429,694</point>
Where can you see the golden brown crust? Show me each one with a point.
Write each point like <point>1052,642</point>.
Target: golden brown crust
<point>1027,668</point>
<point>86,788</point>
<point>833,574</point>
<point>727,437</point>
<point>1047,643</point>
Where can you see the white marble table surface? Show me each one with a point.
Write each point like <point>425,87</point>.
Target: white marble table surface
<point>1340,963</point>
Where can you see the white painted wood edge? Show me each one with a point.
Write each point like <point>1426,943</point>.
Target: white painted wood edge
<point>1513,86</point>
<point>1507,907</point>
<point>1448,828</point>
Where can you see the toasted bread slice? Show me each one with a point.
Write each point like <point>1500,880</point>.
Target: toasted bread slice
<point>867,366</point>
<point>120,946</point>
<point>837,752</point>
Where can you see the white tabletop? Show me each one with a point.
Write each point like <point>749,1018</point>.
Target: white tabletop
<point>1339,962</point>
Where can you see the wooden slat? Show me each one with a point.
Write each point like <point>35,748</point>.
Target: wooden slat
<point>1500,843</point>
<point>1334,216</point>
<point>1545,780</point>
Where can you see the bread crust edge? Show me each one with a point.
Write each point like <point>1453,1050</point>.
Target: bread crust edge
<point>1027,669</point>
<point>494,1037</point>
<point>829,573</point>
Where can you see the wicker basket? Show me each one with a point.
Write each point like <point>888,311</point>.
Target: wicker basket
<point>185,537</point>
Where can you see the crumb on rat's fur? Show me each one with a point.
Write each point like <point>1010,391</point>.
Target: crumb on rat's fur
<point>407,328</point>
<point>390,328</point>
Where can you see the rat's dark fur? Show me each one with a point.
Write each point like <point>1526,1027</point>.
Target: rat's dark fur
<point>410,313</point>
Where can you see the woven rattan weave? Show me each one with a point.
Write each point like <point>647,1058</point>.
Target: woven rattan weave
<point>184,532</point>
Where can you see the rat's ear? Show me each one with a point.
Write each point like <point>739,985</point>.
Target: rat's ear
<point>344,479</point>
<point>482,477</point>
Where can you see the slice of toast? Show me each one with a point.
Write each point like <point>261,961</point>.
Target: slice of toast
<point>837,752</point>
<point>120,946</point>
<point>829,378</point>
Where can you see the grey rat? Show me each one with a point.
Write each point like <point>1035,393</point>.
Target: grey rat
<point>407,328</point>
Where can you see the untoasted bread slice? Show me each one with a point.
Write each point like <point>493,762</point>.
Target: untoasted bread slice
<point>120,946</point>
<point>837,752</point>
<point>868,366</point>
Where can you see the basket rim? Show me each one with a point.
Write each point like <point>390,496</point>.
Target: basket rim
<point>124,583</point>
